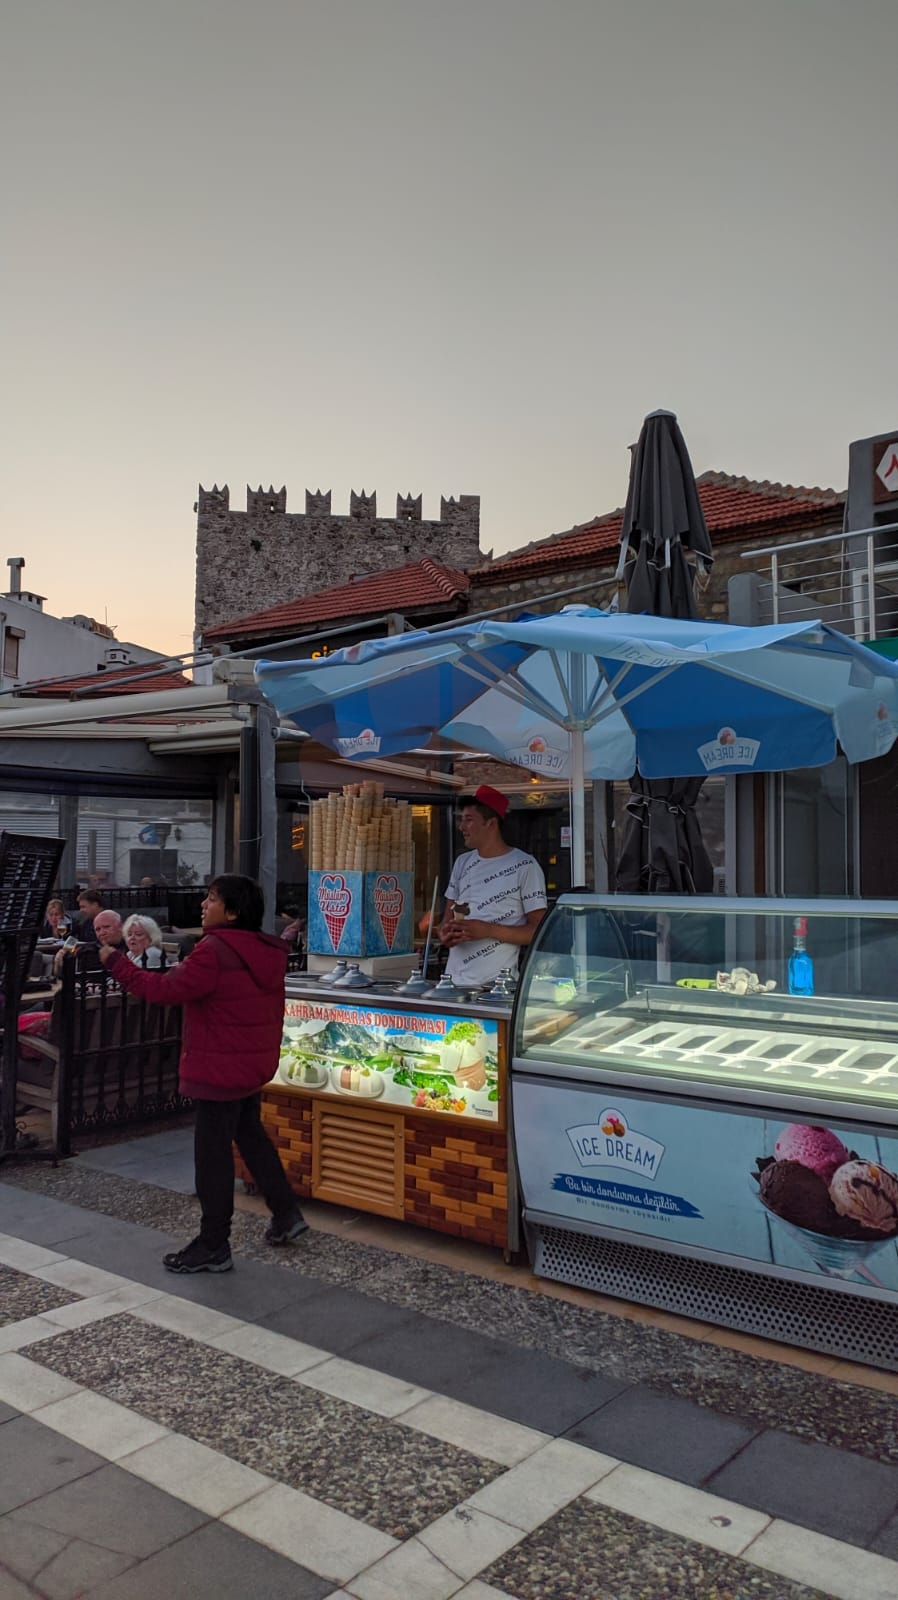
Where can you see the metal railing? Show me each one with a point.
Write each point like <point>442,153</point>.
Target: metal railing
<point>847,579</point>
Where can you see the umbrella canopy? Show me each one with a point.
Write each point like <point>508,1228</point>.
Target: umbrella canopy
<point>591,694</point>
<point>662,850</point>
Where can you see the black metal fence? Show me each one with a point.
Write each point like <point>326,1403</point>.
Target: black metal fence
<point>108,1059</point>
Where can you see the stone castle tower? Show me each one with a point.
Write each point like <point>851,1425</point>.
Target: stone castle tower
<point>249,560</point>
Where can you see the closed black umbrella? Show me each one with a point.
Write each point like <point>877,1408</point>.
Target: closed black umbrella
<point>662,850</point>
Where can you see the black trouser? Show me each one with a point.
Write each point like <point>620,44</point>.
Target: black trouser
<point>220,1124</point>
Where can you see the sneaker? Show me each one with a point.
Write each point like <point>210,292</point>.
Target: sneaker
<point>197,1257</point>
<point>285,1230</point>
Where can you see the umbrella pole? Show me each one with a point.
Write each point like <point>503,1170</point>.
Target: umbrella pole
<point>578,811</point>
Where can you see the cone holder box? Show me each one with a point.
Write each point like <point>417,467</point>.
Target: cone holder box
<point>348,912</point>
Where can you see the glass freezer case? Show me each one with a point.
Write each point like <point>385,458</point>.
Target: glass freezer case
<point>697,996</point>
<point>714,1080</point>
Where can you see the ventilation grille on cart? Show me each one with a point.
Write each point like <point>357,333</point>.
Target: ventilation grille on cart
<point>839,1324</point>
<point>358,1158</point>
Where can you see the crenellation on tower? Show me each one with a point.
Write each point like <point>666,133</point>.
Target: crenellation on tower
<point>249,560</point>
<point>363,507</point>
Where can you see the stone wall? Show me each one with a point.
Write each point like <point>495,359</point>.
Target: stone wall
<point>247,561</point>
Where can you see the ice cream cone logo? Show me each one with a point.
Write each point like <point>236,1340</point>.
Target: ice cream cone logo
<point>389,899</point>
<point>335,904</point>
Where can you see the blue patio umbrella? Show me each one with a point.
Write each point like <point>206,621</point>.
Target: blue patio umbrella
<point>591,694</point>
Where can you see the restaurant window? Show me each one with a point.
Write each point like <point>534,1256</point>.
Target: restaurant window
<point>814,810</point>
<point>125,842</point>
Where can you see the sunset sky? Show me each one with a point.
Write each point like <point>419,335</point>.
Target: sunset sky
<point>438,246</point>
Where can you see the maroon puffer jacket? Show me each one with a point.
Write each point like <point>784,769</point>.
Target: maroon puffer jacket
<point>232,989</point>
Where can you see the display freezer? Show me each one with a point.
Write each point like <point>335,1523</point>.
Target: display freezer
<point>691,1134</point>
<point>397,1105</point>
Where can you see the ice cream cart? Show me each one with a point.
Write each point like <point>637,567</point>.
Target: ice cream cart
<point>396,1105</point>
<point>691,1135</point>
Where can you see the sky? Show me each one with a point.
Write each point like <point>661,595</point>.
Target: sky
<point>427,246</point>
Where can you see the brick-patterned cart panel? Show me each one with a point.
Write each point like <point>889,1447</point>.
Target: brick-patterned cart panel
<point>287,1116</point>
<point>456,1179</point>
<point>453,1176</point>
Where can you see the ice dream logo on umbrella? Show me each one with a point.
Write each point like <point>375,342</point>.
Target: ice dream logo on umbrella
<point>335,904</point>
<point>389,900</point>
<point>366,743</point>
<point>537,753</point>
<point>728,750</point>
<point>611,1142</point>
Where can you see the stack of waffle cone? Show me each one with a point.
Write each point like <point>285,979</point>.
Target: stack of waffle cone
<point>360,831</point>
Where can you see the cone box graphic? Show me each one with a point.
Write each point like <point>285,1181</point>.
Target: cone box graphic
<point>335,904</point>
<point>389,901</point>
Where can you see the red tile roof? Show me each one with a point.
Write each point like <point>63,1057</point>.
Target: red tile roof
<point>735,508</point>
<point>138,679</point>
<point>421,585</point>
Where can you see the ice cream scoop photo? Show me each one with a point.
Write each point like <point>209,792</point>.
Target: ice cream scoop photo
<point>836,1205</point>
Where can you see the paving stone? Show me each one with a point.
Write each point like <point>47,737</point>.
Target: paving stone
<point>8,1412</point>
<point>117,1511</point>
<point>25,1547</point>
<point>337,1320</point>
<point>216,1563</point>
<point>79,1569</point>
<point>812,1484</point>
<point>664,1434</point>
<point>35,1460</point>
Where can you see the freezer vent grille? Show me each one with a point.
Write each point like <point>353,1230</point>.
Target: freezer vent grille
<point>358,1158</point>
<point>837,1324</point>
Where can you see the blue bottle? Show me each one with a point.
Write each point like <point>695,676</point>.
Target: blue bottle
<point>801,967</point>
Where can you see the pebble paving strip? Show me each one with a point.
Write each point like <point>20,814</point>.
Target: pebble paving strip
<point>730,1382</point>
<point>375,1470</point>
<point>592,1553</point>
<point>22,1296</point>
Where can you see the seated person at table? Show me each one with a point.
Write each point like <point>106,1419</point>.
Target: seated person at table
<point>56,923</point>
<point>143,937</point>
<point>107,928</point>
<point>90,904</point>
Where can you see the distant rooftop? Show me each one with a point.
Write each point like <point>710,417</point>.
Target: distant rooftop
<point>735,508</point>
<point>422,585</point>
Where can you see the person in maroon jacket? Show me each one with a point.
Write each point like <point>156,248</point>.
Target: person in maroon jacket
<point>232,989</point>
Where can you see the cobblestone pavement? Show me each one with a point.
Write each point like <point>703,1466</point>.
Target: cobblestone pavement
<point>342,1419</point>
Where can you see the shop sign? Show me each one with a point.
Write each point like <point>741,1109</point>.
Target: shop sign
<point>413,1059</point>
<point>885,469</point>
<point>817,1201</point>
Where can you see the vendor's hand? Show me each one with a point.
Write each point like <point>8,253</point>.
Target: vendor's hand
<point>450,931</point>
<point>106,952</point>
<point>473,928</point>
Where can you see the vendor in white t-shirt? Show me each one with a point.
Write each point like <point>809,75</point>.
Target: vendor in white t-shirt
<point>495,898</point>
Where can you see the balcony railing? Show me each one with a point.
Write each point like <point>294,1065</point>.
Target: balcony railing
<point>848,579</point>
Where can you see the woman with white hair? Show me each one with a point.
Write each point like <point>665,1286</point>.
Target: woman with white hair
<point>143,937</point>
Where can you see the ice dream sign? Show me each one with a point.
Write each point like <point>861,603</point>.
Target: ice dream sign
<point>728,750</point>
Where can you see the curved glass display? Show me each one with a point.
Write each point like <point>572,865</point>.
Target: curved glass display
<point>753,994</point>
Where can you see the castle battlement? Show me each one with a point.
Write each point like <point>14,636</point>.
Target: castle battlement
<point>249,560</point>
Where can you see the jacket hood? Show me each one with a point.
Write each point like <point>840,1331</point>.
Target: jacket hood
<point>262,954</point>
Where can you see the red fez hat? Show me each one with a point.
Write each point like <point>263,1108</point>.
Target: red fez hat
<point>485,796</point>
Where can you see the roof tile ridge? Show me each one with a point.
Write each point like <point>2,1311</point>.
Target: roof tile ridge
<point>770,488</point>
<point>550,539</point>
